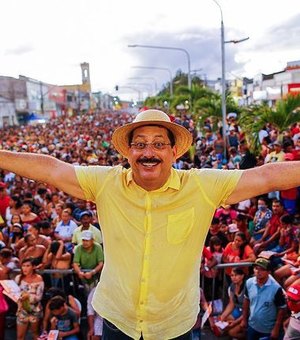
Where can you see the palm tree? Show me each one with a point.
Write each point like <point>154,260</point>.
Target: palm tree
<point>253,119</point>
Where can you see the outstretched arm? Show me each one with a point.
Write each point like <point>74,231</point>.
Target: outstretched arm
<point>43,168</point>
<point>266,178</point>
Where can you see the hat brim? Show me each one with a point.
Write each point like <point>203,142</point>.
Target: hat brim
<point>183,138</point>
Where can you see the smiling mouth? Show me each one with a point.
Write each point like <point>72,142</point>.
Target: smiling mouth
<point>149,163</point>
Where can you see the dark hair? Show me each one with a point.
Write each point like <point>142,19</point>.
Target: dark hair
<point>239,271</point>
<point>170,134</point>
<point>55,246</point>
<point>288,219</point>
<point>45,224</point>
<point>243,245</point>
<point>6,253</point>
<point>54,291</point>
<point>56,302</point>
<point>26,237</point>
<point>215,220</point>
<point>275,200</point>
<point>25,261</point>
<point>214,241</point>
<point>18,201</point>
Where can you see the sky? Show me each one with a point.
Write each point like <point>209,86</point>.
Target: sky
<point>47,40</point>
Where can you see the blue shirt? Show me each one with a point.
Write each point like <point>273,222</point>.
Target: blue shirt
<point>264,303</point>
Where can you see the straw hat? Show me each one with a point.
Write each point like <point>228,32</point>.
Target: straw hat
<point>183,138</point>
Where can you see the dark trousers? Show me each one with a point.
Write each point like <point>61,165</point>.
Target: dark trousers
<point>111,332</point>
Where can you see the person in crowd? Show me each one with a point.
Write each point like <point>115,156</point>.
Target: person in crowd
<point>34,229</point>
<point>59,207</point>
<point>204,307</point>
<point>264,304</point>
<point>289,197</point>
<point>54,199</point>
<point>64,230</point>
<point>86,224</point>
<point>56,257</point>
<point>208,262</point>
<point>270,237</point>
<point>261,218</point>
<point>4,199</point>
<point>8,263</point>
<point>288,240</point>
<point>16,234</point>
<point>248,160</point>
<point>7,231</point>
<point>242,225</point>
<point>289,272</point>
<point>30,310</point>
<point>14,207</point>
<point>143,211</point>
<point>95,321</point>
<point>80,207</point>
<point>46,229</point>
<point>28,216</point>
<point>226,215</point>
<point>88,255</point>
<point>237,251</point>
<point>32,250</point>
<point>71,301</point>
<point>293,301</point>
<point>233,311</point>
<point>63,319</point>
<point>214,230</point>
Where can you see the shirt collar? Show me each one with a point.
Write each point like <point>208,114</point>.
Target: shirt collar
<point>173,181</point>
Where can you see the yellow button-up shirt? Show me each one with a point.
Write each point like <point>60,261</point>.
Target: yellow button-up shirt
<point>153,242</point>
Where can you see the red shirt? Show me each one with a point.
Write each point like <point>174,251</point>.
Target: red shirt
<point>4,203</point>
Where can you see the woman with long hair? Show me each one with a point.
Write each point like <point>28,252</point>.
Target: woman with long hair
<point>233,311</point>
<point>237,251</point>
<point>30,310</point>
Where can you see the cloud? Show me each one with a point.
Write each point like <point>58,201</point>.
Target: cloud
<point>20,50</point>
<point>202,45</point>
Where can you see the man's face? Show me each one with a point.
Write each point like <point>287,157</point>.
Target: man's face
<point>85,220</point>
<point>151,167</point>
<point>276,208</point>
<point>65,217</point>
<point>261,273</point>
<point>87,244</point>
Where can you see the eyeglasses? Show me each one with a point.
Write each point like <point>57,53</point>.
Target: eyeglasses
<point>155,145</point>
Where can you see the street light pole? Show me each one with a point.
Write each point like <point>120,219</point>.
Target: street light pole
<point>223,81</point>
<point>162,69</point>
<point>176,49</point>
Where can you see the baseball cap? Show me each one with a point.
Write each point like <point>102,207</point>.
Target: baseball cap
<point>263,263</point>
<point>277,143</point>
<point>87,235</point>
<point>85,213</point>
<point>294,292</point>
<point>233,228</point>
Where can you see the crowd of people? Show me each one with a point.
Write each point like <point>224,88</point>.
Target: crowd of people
<point>44,228</point>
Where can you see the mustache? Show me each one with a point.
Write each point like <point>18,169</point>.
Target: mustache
<point>149,160</point>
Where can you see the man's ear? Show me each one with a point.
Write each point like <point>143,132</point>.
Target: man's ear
<point>174,150</point>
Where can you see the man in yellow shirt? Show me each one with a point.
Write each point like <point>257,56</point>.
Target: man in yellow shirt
<point>154,220</point>
<point>86,218</point>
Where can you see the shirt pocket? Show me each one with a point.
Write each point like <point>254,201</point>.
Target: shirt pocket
<point>180,225</point>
